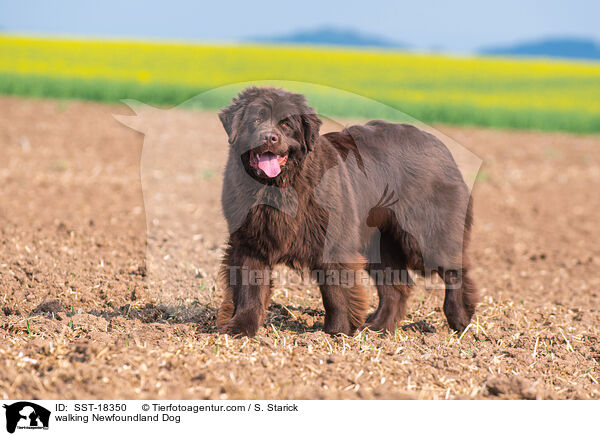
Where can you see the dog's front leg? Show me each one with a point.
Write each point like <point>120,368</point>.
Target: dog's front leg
<point>248,284</point>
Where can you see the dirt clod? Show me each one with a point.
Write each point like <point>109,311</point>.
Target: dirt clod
<point>48,308</point>
<point>513,386</point>
<point>420,326</point>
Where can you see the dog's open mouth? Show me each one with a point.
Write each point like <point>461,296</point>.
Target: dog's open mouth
<point>270,164</point>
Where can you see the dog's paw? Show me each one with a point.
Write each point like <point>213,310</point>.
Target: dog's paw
<point>237,330</point>
<point>380,327</point>
<point>378,323</point>
<point>240,326</point>
<point>339,327</point>
<point>458,319</point>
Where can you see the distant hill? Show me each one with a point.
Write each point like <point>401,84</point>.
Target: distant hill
<point>330,36</point>
<point>575,48</point>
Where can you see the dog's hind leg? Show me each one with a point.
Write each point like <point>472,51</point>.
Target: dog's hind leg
<point>344,298</point>
<point>393,289</point>
<point>461,298</point>
<point>462,295</point>
<point>393,284</point>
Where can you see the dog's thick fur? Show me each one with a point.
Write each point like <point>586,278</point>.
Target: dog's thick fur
<point>426,230</point>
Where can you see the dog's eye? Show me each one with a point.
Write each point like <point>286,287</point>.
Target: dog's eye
<point>257,121</point>
<point>285,124</point>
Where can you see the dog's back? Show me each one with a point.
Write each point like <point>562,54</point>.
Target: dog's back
<point>432,198</point>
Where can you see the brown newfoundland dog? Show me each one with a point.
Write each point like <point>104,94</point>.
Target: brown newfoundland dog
<point>382,197</point>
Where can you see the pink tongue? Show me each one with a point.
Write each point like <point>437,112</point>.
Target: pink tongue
<point>269,163</point>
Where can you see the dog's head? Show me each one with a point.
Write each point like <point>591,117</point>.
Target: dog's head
<point>272,130</point>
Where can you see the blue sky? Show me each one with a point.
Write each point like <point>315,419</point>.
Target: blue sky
<point>455,26</point>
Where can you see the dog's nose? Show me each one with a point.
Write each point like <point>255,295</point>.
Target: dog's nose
<point>271,138</point>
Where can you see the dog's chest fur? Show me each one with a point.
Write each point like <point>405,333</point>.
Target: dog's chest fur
<point>279,237</point>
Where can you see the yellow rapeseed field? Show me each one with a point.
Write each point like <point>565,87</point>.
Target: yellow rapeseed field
<point>544,94</point>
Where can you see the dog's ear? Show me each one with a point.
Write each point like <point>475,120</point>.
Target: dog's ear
<point>311,124</point>
<point>230,118</point>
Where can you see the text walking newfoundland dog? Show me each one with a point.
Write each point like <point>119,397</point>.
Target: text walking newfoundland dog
<point>378,197</point>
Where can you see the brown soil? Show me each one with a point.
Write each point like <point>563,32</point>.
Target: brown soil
<point>87,315</point>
